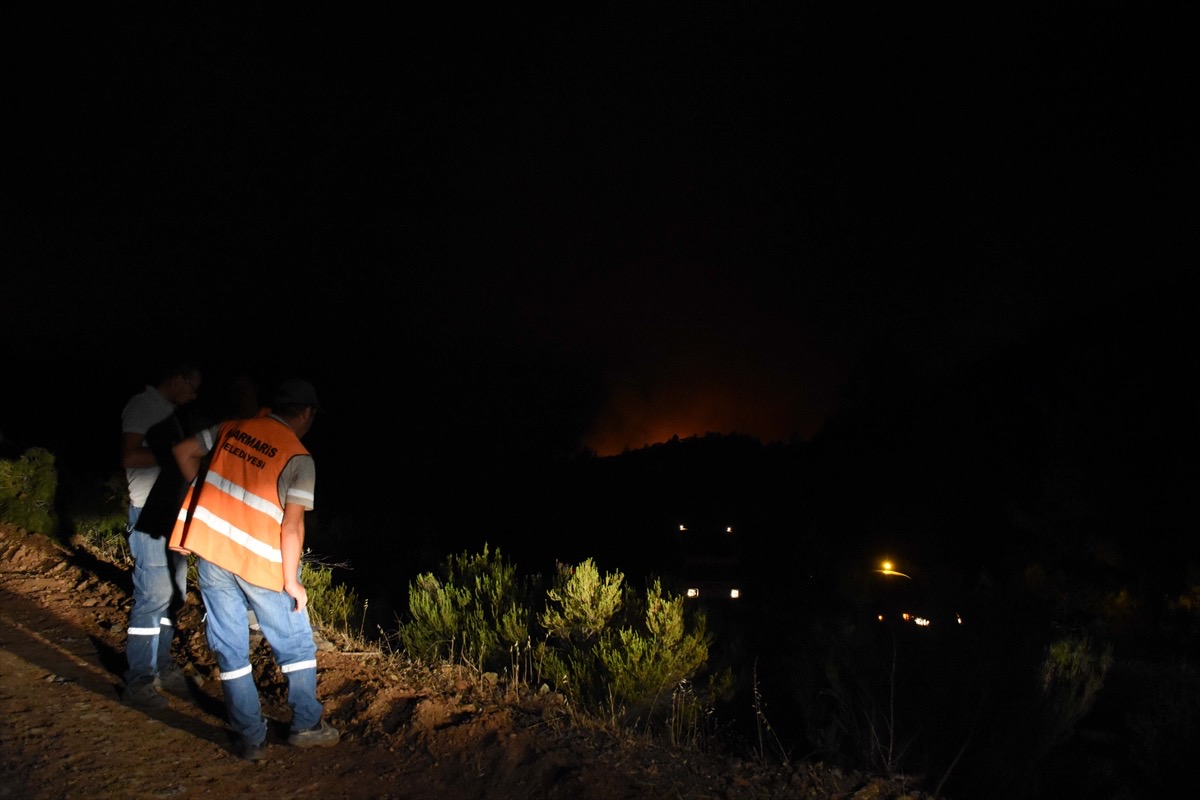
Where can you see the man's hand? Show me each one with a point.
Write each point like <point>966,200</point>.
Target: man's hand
<point>291,545</point>
<point>297,592</point>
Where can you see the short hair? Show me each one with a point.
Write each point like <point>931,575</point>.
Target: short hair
<point>172,368</point>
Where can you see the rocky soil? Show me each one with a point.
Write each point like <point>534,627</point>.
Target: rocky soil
<point>408,732</point>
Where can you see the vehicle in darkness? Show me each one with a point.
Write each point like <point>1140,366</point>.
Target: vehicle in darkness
<point>898,599</point>
<point>708,565</point>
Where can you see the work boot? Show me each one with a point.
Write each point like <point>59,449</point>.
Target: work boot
<point>172,679</point>
<point>143,693</point>
<point>320,735</point>
<point>250,751</point>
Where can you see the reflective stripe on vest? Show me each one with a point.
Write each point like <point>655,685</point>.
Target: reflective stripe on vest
<point>235,522</point>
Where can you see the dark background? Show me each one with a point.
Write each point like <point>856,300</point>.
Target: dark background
<point>535,233</point>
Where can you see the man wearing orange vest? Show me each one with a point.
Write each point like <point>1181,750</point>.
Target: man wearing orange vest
<point>245,523</point>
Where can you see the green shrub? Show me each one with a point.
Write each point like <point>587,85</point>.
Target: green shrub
<point>579,610</point>
<point>334,607</point>
<point>106,535</point>
<point>27,489</point>
<point>1072,673</point>
<point>610,651</point>
<point>616,653</point>
<point>644,664</point>
<point>435,610</point>
<point>581,605</point>
<point>475,612</point>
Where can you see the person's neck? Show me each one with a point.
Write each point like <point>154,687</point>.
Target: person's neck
<point>285,421</point>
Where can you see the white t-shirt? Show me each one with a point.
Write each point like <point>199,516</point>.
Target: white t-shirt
<point>141,413</point>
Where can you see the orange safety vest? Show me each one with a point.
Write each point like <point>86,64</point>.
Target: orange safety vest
<point>236,518</point>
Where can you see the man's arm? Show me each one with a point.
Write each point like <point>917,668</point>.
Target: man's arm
<point>188,455</point>
<point>291,545</point>
<point>133,453</point>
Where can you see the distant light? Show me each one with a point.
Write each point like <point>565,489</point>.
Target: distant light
<point>729,529</point>
<point>683,527</point>
<point>693,593</point>
<point>881,617</point>
<point>734,594</point>
<point>959,618</point>
<point>924,623</point>
<point>887,568</point>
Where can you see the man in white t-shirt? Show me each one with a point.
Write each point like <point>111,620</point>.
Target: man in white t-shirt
<point>159,575</point>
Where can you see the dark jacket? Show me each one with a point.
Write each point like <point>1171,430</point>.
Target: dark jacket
<point>162,506</point>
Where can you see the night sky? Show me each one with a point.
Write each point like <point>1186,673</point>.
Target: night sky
<point>531,233</point>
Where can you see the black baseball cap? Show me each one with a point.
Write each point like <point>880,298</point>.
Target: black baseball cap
<point>296,392</point>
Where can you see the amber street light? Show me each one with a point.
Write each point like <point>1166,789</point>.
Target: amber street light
<point>886,568</point>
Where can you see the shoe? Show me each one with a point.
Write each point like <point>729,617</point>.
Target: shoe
<point>172,680</point>
<point>255,629</point>
<point>143,693</point>
<point>322,643</point>
<point>250,751</point>
<point>321,735</point>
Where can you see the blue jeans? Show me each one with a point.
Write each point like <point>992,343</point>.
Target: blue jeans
<point>159,589</point>
<point>227,628</point>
